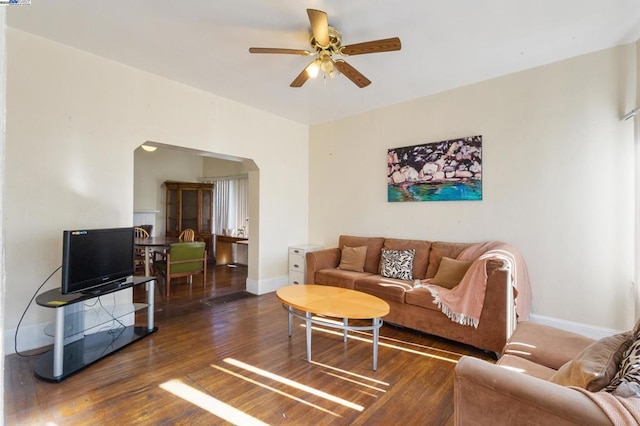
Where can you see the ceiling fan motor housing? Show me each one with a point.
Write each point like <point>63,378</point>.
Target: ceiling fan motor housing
<point>335,42</point>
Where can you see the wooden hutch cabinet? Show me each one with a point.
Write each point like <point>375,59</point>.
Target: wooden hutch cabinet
<point>190,205</point>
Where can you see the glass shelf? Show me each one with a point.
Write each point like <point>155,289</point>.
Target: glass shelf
<point>94,317</point>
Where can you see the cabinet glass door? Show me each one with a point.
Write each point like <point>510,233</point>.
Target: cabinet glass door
<point>172,210</point>
<point>190,209</point>
<point>206,211</point>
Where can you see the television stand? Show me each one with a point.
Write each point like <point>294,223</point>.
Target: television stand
<point>82,338</point>
<point>106,288</point>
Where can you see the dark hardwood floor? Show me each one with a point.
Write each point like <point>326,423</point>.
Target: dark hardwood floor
<point>235,361</point>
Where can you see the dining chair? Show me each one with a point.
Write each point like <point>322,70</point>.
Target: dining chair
<point>139,252</point>
<point>188,235</point>
<point>181,260</point>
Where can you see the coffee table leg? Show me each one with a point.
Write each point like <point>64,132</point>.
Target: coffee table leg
<point>346,324</point>
<point>290,309</point>
<point>376,332</point>
<point>308,316</point>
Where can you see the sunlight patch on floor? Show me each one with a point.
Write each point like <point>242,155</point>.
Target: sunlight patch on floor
<point>209,403</point>
<point>346,379</point>
<point>293,384</point>
<point>387,345</point>
<point>341,374</point>
<point>272,389</point>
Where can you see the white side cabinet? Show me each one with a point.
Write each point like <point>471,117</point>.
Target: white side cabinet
<point>298,262</point>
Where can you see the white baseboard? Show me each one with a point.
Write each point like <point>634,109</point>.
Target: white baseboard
<point>29,337</point>
<point>587,330</point>
<point>266,286</point>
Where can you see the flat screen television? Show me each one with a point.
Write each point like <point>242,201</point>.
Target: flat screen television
<point>96,258</point>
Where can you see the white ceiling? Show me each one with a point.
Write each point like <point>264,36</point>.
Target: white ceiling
<point>204,43</point>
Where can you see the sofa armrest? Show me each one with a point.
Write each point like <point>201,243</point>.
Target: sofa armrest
<point>548,346</point>
<point>321,259</point>
<point>493,329</point>
<point>485,394</point>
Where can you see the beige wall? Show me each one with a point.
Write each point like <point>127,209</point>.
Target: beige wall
<point>2,166</point>
<point>73,123</point>
<point>151,169</point>
<point>558,178</point>
<point>215,167</point>
<point>637,164</point>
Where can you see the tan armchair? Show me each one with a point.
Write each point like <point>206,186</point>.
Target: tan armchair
<point>524,388</point>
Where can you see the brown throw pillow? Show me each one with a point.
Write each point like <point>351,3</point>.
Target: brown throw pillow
<point>352,258</point>
<point>450,272</point>
<point>596,365</point>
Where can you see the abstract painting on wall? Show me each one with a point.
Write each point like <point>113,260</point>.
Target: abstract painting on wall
<point>440,171</point>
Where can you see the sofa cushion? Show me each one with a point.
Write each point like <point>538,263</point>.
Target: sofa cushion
<point>421,297</point>
<point>549,346</point>
<point>385,288</point>
<point>397,264</point>
<point>629,371</point>
<point>352,258</point>
<point>594,367</point>
<point>421,257</point>
<point>374,246</point>
<point>450,272</point>
<point>441,249</point>
<point>521,365</point>
<point>338,278</point>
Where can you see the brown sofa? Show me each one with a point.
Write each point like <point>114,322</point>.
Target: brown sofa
<point>413,307</point>
<point>545,376</point>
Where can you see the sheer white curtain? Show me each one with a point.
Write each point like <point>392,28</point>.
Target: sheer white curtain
<point>230,203</point>
<point>240,188</point>
<point>220,205</point>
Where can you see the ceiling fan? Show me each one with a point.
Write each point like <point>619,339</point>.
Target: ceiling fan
<point>326,41</point>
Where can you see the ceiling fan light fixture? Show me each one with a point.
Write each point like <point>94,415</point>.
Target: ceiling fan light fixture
<point>326,64</point>
<point>313,68</point>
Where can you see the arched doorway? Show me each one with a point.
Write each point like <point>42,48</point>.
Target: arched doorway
<point>170,162</point>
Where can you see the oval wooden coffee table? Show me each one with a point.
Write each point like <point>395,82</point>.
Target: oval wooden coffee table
<point>334,302</point>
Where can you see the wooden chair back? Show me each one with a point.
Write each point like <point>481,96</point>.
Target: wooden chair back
<point>140,232</point>
<point>187,235</point>
<point>139,252</point>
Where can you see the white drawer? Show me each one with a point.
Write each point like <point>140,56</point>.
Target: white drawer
<point>296,262</point>
<point>296,277</point>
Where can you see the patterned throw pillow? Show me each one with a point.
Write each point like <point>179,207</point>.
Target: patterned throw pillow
<point>397,264</point>
<point>629,371</point>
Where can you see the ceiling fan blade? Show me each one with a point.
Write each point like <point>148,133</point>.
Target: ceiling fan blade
<point>319,26</point>
<point>384,45</point>
<point>301,78</point>
<point>277,50</point>
<point>352,74</point>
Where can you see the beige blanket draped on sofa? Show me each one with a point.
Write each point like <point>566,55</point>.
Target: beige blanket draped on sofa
<point>463,303</point>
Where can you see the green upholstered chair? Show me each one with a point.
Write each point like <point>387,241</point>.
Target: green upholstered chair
<point>182,260</point>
